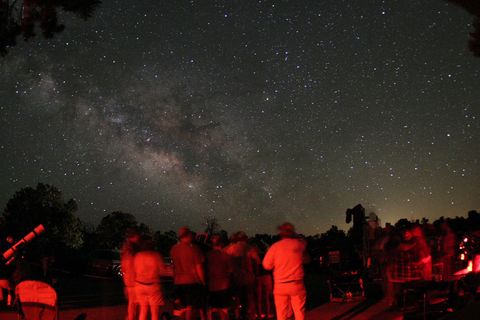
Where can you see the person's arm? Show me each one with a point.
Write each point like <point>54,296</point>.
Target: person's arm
<point>268,260</point>
<point>199,269</point>
<point>173,261</point>
<point>200,273</point>
<point>163,269</point>
<point>306,257</point>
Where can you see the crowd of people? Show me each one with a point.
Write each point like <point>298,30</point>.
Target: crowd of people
<point>248,278</point>
<point>406,256</point>
<point>216,278</point>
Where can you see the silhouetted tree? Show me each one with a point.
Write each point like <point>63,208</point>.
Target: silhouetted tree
<point>44,205</point>
<point>211,225</point>
<point>20,17</point>
<point>165,241</point>
<point>110,233</point>
<point>402,223</point>
<point>472,7</point>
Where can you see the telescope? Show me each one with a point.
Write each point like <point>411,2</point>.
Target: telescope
<point>8,255</point>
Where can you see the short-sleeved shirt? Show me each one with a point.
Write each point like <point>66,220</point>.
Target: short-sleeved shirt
<point>245,262</point>
<point>148,267</point>
<point>285,257</point>
<point>185,258</point>
<point>220,269</point>
<point>128,270</point>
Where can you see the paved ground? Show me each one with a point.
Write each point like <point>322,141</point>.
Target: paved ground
<point>337,311</point>
<point>362,310</point>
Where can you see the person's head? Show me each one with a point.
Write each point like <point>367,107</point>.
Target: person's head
<point>417,231</point>
<point>147,244</point>
<point>9,240</point>
<point>407,234</point>
<point>217,241</point>
<point>184,234</point>
<point>286,230</point>
<point>133,235</point>
<point>239,236</point>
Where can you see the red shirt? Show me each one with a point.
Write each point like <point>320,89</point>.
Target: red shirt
<point>148,267</point>
<point>220,268</point>
<point>185,258</point>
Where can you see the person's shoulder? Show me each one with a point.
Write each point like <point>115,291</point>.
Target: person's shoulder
<point>175,247</point>
<point>277,244</point>
<point>290,242</point>
<point>139,256</point>
<point>196,248</point>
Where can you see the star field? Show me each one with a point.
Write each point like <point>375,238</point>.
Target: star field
<point>254,112</point>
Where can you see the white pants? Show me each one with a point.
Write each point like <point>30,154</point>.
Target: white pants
<point>290,297</point>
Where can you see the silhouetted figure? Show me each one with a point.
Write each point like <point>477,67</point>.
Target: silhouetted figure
<point>246,263</point>
<point>447,250</point>
<point>6,272</point>
<point>422,251</point>
<point>188,274</point>
<point>219,274</point>
<point>286,258</point>
<point>409,260</point>
<point>264,287</point>
<point>382,251</point>
<point>358,231</point>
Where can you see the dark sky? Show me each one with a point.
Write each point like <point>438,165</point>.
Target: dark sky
<point>254,112</point>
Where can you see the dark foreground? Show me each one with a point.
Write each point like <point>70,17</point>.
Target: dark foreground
<point>91,298</point>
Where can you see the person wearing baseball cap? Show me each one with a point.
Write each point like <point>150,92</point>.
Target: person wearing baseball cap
<point>286,258</point>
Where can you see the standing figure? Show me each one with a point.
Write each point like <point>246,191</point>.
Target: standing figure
<point>149,267</point>
<point>219,274</point>
<point>129,248</point>
<point>246,263</point>
<point>409,261</point>
<point>5,287</point>
<point>6,272</point>
<point>264,288</point>
<point>448,243</point>
<point>286,258</point>
<point>188,274</point>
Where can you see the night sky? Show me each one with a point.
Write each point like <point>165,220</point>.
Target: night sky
<point>254,112</point>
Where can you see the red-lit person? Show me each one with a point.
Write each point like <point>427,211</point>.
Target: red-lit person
<point>129,248</point>
<point>264,289</point>
<point>219,274</point>
<point>246,263</point>
<point>447,250</point>
<point>409,260</point>
<point>6,271</point>
<point>149,267</point>
<point>188,274</point>
<point>286,258</point>
<point>422,251</point>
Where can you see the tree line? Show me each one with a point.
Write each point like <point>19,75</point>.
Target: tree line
<point>71,241</point>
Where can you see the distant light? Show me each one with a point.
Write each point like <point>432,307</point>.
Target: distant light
<point>465,239</point>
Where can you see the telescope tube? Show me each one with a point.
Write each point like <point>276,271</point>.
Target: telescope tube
<point>7,255</point>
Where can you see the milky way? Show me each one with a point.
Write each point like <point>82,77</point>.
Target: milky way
<point>254,112</point>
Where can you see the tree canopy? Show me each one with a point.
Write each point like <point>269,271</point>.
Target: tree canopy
<point>112,228</point>
<point>45,205</point>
